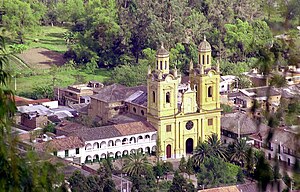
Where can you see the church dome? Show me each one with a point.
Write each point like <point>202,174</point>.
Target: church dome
<point>162,50</point>
<point>204,46</point>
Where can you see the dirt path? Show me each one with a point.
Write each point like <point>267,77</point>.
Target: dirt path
<point>40,58</point>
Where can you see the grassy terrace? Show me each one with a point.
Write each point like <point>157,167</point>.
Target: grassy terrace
<point>61,78</point>
<point>51,38</point>
<point>30,74</point>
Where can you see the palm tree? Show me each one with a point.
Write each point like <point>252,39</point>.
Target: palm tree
<point>136,164</point>
<point>202,150</point>
<point>239,152</point>
<point>217,147</point>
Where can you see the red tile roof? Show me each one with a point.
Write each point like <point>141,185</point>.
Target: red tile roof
<point>60,144</point>
<point>25,101</point>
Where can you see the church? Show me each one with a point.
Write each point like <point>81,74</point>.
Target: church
<point>182,113</point>
<point>183,118</point>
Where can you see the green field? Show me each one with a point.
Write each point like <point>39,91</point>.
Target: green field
<point>62,78</point>
<point>29,76</point>
<point>48,37</point>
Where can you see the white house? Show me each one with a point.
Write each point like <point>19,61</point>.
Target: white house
<point>284,144</point>
<point>226,82</point>
<point>91,144</point>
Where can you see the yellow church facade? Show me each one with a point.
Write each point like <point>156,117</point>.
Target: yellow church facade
<point>183,118</point>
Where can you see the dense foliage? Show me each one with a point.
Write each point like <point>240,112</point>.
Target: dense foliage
<point>121,33</point>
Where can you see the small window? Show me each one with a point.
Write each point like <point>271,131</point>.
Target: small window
<point>207,59</point>
<point>165,64</point>
<point>153,97</point>
<point>142,112</point>
<point>134,110</point>
<point>210,122</point>
<point>77,151</point>
<point>55,153</point>
<point>168,128</point>
<point>161,65</point>
<point>209,91</point>
<point>157,64</point>
<point>168,97</point>
<point>203,59</point>
<point>66,153</point>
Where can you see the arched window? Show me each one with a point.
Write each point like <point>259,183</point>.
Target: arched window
<point>161,65</point>
<point>168,97</point>
<point>203,59</point>
<point>209,91</point>
<point>134,110</point>
<point>165,64</point>
<point>207,59</point>
<point>153,97</point>
<point>142,112</point>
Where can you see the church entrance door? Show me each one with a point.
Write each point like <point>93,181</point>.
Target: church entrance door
<point>168,151</point>
<point>189,146</point>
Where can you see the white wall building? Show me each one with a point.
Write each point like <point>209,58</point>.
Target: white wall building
<point>226,82</point>
<point>283,144</point>
<point>91,144</point>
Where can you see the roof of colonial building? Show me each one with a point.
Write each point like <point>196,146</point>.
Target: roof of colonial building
<point>231,122</point>
<point>204,46</point>
<point>69,127</point>
<point>248,187</point>
<point>117,92</point>
<point>111,131</point>
<point>283,136</point>
<point>60,144</point>
<point>256,92</point>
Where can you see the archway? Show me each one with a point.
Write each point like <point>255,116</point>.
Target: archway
<point>189,146</point>
<point>168,149</point>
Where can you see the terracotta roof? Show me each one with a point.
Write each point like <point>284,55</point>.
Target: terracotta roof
<point>60,144</point>
<point>96,133</point>
<point>69,127</point>
<point>110,131</point>
<point>134,128</point>
<point>24,101</point>
<point>222,189</point>
<point>231,122</point>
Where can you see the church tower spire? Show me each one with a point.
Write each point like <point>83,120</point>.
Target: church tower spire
<point>204,54</point>
<point>162,60</point>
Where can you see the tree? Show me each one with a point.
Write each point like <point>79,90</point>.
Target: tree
<point>182,165</point>
<point>202,151</point>
<point>179,184</point>
<point>217,148</point>
<point>214,172</point>
<point>20,18</point>
<point>78,182</point>
<point>263,172</point>
<point>189,167</point>
<point>136,164</point>
<point>239,153</point>
<point>130,75</point>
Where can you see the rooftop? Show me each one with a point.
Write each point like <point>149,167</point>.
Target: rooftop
<point>110,131</point>
<point>60,144</point>
<point>117,92</point>
<point>231,122</point>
